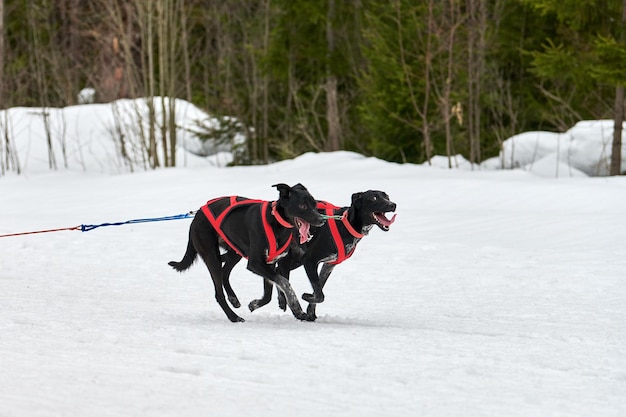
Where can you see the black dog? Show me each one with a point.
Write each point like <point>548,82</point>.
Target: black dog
<point>332,243</point>
<point>259,230</point>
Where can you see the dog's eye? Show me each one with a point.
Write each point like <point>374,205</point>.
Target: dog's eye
<point>302,206</point>
<point>374,198</point>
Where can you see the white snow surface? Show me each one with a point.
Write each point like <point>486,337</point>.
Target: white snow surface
<point>495,293</point>
<point>585,149</point>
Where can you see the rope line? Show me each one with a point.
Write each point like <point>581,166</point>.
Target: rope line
<point>88,227</point>
<point>42,231</point>
<point>336,216</point>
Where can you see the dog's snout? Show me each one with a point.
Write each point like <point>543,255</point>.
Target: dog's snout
<point>321,220</point>
<point>393,206</point>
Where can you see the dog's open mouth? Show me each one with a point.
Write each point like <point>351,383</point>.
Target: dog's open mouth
<point>303,230</point>
<point>382,220</point>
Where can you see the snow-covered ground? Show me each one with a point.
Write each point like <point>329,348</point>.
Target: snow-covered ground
<point>495,293</point>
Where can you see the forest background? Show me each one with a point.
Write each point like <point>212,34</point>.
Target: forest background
<point>402,80</point>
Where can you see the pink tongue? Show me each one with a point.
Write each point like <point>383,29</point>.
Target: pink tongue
<point>304,231</point>
<point>383,220</point>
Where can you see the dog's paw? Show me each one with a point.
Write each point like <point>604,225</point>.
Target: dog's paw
<point>236,319</point>
<point>313,298</point>
<point>234,301</point>
<point>310,311</point>
<point>282,303</point>
<point>302,316</point>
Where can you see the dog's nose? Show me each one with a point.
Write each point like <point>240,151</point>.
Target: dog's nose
<point>393,206</point>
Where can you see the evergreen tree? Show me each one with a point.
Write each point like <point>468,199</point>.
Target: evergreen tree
<point>587,56</point>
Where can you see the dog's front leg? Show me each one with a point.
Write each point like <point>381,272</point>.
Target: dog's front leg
<point>268,272</point>
<point>267,296</point>
<point>314,279</point>
<point>323,278</point>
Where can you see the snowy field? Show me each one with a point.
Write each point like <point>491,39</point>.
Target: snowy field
<point>495,293</point>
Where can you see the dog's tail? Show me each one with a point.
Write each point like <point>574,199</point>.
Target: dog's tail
<point>188,259</point>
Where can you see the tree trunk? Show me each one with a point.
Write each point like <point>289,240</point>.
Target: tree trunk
<point>477,25</point>
<point>173,64</point>
<point>616,152</point>
<point>447,94</point>
<point>266,110</point>
<point>332,108</point>
<point>428,143</point>
<point>184,33</point>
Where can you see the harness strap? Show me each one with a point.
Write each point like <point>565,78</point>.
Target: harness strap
<point>334,231</point>
<point>216,222</point>
<point>346,223</point>
<point>279,218</point>
<point>273,252</point>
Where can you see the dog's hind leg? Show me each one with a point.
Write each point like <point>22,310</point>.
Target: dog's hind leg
<point>269,273</point>
<point>230,259</point>
<point>314,279</point>
<point>207,246</point>
<point>323,276</point>
<point>216,274</point>
<point>285,266</point>
<point>292,261</point>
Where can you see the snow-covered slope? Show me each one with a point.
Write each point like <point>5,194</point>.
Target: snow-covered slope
<point>495,293</point>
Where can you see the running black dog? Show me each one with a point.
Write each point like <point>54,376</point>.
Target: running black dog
<point>332,244</point>
<point>260,231</point>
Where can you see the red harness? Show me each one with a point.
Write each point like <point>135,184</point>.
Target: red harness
<point>235,201</point>
<point>329,209</point>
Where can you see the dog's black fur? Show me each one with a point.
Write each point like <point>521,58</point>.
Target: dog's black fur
<point>367,209</point>
<point>244,227</point>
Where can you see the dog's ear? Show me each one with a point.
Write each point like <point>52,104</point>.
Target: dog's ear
<point>283,189</point>
<point>356,199</point>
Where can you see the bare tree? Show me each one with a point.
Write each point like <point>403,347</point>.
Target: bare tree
<point>452,23</point>
<point>266,109</point>
<point>260,104</point>
<point>333,142</point>
<point>147,35</point>
<point>165,46</point>
<point>616,151</point>
<point>428,55</point>
<point>409,75</point>
<point>476,50</point>
<point>5,141</point>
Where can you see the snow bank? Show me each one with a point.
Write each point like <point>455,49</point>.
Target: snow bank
<point>109,138</point>
<point>585,148</point>
<point>113,138</point>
